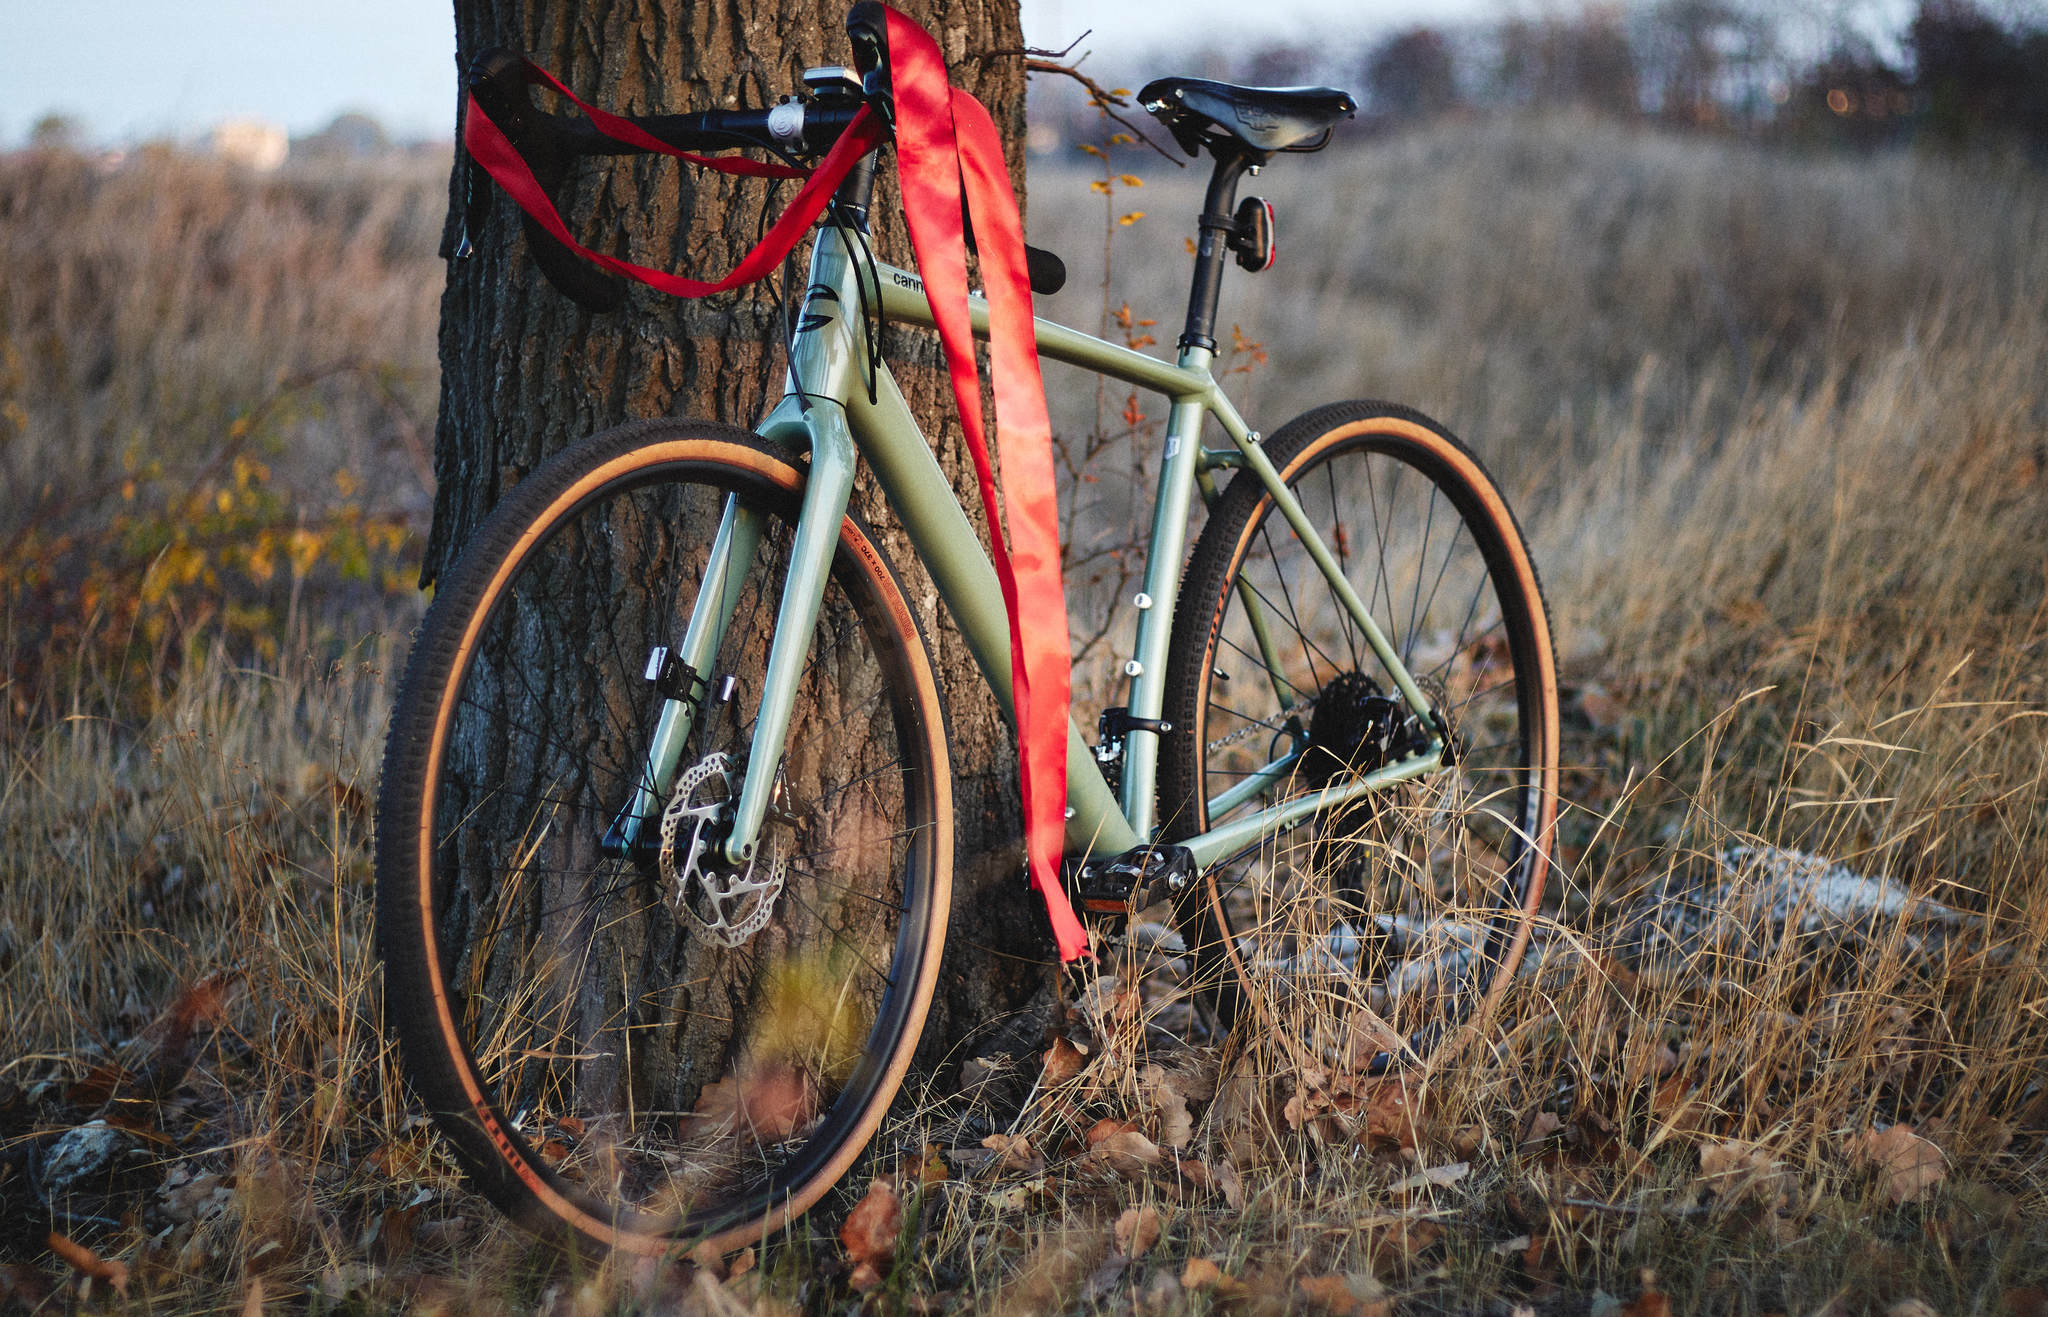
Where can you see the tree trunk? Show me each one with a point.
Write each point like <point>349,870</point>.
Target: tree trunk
<point>526,371</point>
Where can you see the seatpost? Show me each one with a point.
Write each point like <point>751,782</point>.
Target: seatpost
<point>1216,225</point>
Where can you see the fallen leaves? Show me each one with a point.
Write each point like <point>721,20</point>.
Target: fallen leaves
<point>766,1101</point>
<point>1907,1165</point>
<point>90,1264</point>
<point>870,1233</point>
<point>1137,1230</point>
<point>1434,1177</point>
<point>1014,1153</point>
<point>1736,1172</point>
<point>1652,1302</point>
<point>1912,1307</point>
<point>1063,1061</point>
<point>159,1057</point>
<point>1331,1107</point>
<point>1343,1295</point>
<point>1161,1092</point>
<point>1126,1152</point>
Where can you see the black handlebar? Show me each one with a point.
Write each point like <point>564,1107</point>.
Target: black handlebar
<point>499,80</point>
<point>550,143</point>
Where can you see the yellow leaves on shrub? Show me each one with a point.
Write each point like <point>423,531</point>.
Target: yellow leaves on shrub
<point>303,548</point>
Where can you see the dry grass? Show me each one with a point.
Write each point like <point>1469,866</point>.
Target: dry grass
<point>1776,428</point>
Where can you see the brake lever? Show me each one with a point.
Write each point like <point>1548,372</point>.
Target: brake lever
<point>867,26</point>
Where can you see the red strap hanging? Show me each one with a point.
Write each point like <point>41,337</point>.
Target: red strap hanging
<point>945,141</point>
<point>489,147</point>
<point>944,138</point>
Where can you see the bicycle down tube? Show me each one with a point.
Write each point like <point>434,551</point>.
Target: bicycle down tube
<point>828,412</point>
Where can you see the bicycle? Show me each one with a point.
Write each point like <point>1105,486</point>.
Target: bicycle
<point>664,835</point>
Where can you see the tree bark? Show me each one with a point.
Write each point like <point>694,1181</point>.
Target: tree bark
<point>526,371</point>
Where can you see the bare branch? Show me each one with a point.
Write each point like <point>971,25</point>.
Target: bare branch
<point>1048,61</point>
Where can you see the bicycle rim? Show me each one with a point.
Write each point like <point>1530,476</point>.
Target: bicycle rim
<point>598,1056</point>
<point>1378,920</point>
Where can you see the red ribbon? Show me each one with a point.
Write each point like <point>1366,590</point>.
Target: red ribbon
<point>945,138</point>
<point>489,147</point>
<point>945,142</point>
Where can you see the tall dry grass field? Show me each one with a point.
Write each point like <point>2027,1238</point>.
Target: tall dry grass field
<point>1776,428</point>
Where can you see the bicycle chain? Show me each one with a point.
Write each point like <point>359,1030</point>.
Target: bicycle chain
<point>1252,728</point>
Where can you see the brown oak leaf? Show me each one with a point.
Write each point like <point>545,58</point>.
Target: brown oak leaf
<point>1908,1164</point>
<point>1137,1230</point>
<point>1063,1061</point>
<point>1345,1296</point>
<point>870,1233</point>
<point>111,1270</point>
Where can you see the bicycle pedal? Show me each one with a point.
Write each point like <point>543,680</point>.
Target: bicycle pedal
<point>1127,883</point>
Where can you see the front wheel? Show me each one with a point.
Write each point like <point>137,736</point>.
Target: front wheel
<point>642,1043</point>
<point>1375,919</point>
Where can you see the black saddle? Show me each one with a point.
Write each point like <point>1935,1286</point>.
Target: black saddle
<point>1264,119</point>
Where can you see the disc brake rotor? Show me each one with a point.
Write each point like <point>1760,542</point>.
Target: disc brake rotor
<point>728,906</point>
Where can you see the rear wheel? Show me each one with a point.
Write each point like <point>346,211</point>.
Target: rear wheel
<point>645,1045</point>
<point>1375,920</point>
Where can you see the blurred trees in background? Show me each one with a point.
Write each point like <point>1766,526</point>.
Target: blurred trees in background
<point>1956,74</point>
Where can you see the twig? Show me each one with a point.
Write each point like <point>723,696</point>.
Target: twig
<point>1639,1208</point>
<point>1037,60</point>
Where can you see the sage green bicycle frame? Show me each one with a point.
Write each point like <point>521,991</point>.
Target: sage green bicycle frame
<point>828,413</point>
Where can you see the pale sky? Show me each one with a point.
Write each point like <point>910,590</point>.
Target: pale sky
<point>136,69</point>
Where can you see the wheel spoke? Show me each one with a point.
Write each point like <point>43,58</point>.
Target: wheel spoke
<point>1436,852</point>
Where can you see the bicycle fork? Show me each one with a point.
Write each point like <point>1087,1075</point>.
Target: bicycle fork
<point>804,420</point>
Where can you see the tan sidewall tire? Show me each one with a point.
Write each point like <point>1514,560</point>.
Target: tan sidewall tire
<point>433,1047</point>
<point>1203,606</point>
